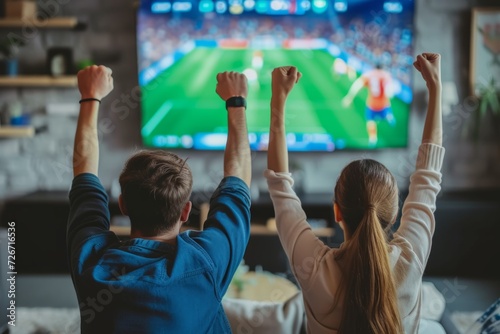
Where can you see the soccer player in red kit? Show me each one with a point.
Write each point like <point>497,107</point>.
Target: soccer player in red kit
<point>378,104</point>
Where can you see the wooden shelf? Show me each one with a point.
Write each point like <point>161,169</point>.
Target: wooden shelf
<point>38,81</point>
<point>16,131</point>
<point>55,22</point>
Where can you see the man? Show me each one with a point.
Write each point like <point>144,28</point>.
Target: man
<point>161,280</point>
<point>378,105</point>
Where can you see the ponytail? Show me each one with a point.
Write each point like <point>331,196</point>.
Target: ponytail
<point>367,286</point>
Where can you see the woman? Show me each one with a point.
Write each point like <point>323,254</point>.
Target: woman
<point>369,284</point>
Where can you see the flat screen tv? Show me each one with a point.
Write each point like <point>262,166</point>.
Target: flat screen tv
<point>355,57</point>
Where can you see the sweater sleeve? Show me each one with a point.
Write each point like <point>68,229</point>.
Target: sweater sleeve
<point>88,222</point>
<point>303,249</point>
<point>227,229</point>
<point>417,221</point>
<point>89,212</point>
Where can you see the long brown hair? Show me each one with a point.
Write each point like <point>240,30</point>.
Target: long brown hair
<point>367,196</point>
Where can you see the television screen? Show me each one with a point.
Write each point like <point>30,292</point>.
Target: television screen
<point>355,57</point>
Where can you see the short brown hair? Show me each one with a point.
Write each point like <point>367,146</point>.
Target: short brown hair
<point>155,187</point>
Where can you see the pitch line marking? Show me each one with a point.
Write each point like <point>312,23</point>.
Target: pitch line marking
<point>156,119</point>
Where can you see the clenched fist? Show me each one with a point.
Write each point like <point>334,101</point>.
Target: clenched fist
<point>231,84</point>
<point>284,78</point>
<point>95,82</point>
<point>429,65</point>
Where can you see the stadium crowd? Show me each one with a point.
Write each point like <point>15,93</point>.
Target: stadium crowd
<point>370,39</point>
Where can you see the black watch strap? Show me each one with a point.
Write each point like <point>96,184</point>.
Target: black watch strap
<point>236,101</point>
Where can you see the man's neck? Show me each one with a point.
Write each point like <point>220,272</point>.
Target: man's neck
<point>169,237</point>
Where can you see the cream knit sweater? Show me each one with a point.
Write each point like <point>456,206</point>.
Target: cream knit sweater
<point>314,265</point>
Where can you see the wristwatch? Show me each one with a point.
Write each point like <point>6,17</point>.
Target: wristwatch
<point>236,101</point>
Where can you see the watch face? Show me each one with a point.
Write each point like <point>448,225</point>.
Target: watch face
<point>236,101</point>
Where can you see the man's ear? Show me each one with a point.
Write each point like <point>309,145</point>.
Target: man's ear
<point>121,204</point>
<point>336,212</point>
<point>186,211</point>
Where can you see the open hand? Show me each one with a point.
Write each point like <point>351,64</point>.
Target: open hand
<point>95,82</point>
<point>231,84</point>
<point>429,65</point>
<point>284,78</point>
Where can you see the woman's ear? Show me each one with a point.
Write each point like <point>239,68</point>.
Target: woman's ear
<point>338,219</point>
<point>336,212</point>
<point>121,204</point>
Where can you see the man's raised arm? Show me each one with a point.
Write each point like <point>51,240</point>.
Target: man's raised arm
<point>94,83</point>
<point>232,88</point>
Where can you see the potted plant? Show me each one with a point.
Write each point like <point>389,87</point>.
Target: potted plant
<point>487,111</point>
<point>8,51</point>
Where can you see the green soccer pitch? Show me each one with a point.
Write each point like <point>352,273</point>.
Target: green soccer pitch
<point>182,99</point>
